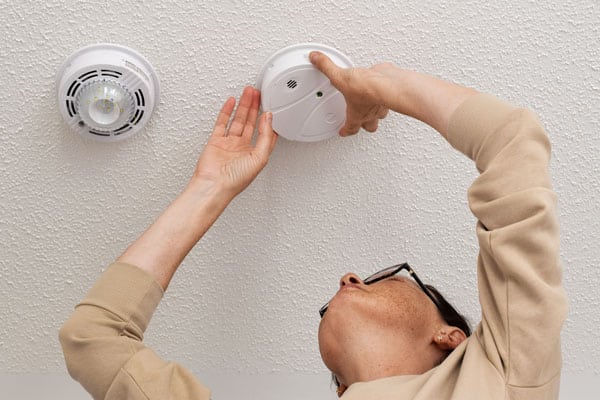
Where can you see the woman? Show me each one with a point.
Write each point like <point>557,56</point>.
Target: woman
<point>382,337</point>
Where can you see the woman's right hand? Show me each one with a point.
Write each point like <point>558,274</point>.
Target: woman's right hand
<point>359,86</point>
<point>370,92</point>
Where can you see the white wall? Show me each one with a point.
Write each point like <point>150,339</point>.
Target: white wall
<point>243,307</point>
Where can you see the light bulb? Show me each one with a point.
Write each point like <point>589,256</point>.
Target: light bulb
<point>105,105</point>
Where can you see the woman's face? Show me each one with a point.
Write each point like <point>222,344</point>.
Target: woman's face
<point>360,313</point>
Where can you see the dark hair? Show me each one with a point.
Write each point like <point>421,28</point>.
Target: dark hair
<point>448,313</point>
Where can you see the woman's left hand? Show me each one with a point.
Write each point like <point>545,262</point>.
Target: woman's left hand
<point>229,159</point>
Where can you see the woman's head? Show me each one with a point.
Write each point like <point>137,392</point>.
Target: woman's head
<point>387,325</point>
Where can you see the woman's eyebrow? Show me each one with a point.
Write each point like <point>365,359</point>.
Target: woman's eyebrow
<point>406,279</point>
<point>398,278</point>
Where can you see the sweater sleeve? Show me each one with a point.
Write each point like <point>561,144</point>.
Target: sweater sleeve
<point>103,348</point>
<point>522,298</point>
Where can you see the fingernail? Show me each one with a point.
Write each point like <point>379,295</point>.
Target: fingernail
<point>269,116</point>
<point>313,56</point>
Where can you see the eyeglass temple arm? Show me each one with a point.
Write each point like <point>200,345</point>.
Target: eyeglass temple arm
<point>422,285</point>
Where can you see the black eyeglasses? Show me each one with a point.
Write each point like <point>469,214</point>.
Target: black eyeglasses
<point>391,271</point>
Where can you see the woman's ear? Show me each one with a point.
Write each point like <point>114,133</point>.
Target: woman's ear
<point>340,390</point>
<point>448,337</point>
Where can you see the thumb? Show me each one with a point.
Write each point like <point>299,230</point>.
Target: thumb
<point>266,137</point>
<point>326,66</point>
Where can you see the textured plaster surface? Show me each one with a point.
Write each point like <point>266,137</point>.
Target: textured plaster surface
<point>246,298</point>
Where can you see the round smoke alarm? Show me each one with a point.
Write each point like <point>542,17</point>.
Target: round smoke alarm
<point>305,106</point>
<point>106,91</point>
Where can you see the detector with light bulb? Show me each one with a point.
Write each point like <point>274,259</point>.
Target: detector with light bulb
<point>107,92</point>
<point>305,105</point>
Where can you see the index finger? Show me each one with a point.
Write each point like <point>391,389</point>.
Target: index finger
<point>351,127</point>
<point>326,66</point>
<point>241,114</point>
<point>220,128</point>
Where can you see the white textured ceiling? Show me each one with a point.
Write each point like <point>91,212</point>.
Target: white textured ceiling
<point>246,298</point>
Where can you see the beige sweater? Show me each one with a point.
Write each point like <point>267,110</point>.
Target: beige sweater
<point>514,352</point>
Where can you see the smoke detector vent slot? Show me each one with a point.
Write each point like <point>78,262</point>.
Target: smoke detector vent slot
<point>88,75</point>
<point>107,92</point>
<point>73,88</point>
<point>71,108</point>
<point>93,132</point>
<point>110,73</point>
<point>139,113</point>
<point>139,97</point>
<point>123,128</point>
<point>292,84</point>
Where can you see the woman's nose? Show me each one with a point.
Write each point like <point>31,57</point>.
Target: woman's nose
<point>350,278</point>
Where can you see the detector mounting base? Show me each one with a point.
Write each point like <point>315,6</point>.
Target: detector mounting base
<point>305,106</point>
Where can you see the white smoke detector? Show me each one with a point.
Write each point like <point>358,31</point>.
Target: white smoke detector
<point>305,106</point>
<point>106,91</point>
